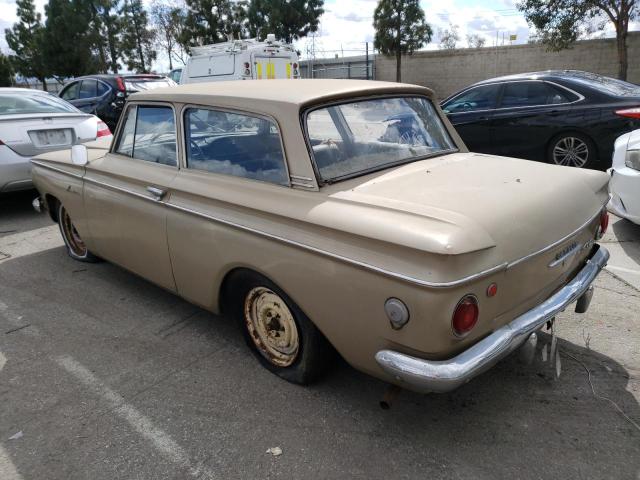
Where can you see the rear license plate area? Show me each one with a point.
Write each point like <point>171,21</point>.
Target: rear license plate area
<point>57,137</point>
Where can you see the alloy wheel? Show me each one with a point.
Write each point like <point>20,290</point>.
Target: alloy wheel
<point>571,152</point>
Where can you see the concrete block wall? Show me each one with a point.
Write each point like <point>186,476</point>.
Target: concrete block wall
<point>448,71</point>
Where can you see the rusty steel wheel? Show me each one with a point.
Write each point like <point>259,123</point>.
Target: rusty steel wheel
<point>72,239</point>
<point>271,326</point>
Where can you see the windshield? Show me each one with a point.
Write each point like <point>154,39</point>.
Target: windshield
<point>27,103</point>
<point>612,86</point>
<point>359,137</point>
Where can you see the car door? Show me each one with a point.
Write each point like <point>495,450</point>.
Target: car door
<point>71,92</point>
<point>87,96</point>
<point>126,192</point>
<point>529,114</point>
<point>471,112</point>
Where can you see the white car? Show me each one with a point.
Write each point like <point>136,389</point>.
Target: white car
<point>624,186</point>
<point>34,122</point>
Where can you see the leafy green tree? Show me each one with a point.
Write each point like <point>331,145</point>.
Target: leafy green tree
<point>168,22</point>
<point>560,22</point>
<point>25,38</point>
<point>6,71</point>
<point>68,38</point>
<point>137,38</point>
<point>400,28</point>
<point>112,26</point>
<point>213,21</point>
<point>287,19</point>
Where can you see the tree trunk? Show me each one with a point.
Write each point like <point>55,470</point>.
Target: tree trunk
<point>398,66</point>
<point>44,84</point>
<point>623,63</point>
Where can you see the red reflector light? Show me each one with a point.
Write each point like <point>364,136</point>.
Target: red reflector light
<point>120,84</point>
<point>629,112</point>
<point>103,129</point>
<point>246,64</point>
<point>604,224</point>
<point>492,290</point>
<point>295,65</point>
<point>465,315</point>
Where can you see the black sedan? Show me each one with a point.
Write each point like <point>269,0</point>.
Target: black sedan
<point>564,117</point>
<point>104,95</point>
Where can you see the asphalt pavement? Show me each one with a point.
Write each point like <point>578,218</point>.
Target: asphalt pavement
<point>105,376</point>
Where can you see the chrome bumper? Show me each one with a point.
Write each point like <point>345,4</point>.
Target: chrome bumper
<point>445,375</point>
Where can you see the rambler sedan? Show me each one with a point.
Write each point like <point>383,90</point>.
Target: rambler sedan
<point>328,215</point>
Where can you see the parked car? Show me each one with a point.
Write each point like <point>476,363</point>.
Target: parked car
<point>33,122</point>
<point>563,117</point>
<point>278,204</point>
<point>624,186</point>
<point>105,95</point>
<point>241,60</point>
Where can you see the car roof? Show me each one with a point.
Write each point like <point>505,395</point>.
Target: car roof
<point>543,74</point>
<point>22,90</point>
<point>253,93</point>
<point>110,76</point>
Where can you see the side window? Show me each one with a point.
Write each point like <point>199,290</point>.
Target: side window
<point>528,94</point>
<point>71,91</point>
<point>483,97</point>
<point>102,89</point>
<point>149,134</point>
<point>234,144</point>
<point>88,89</point>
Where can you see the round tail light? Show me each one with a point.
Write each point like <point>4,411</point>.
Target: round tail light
<point>465,315</point>
<point>604,224</point>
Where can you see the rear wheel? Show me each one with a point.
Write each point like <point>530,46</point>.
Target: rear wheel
<point>76,247</point>
<point>279,334</point>
<point>572,150</point>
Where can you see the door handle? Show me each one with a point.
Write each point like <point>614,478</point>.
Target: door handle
<point>157,193</point>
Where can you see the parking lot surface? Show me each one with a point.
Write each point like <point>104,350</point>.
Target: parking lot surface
<point>105,376</point>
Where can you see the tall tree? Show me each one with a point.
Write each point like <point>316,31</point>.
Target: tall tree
<point>25,38</point>
<point>560,22</point>
<point>6,71</point>
<point>449,37</point>
<point>213,21</point>
<point>112,25</point>
<point>400,28</point>
<point>68,38</point>
<point>289,20</point>
<point>137,40</point>
<point>168,22</point>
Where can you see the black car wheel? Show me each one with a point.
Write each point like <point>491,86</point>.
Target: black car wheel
<point>572,150</point>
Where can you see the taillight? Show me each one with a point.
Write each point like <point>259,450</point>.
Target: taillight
<point>120,83</point>
<point>604,224</point>
<point>629,112</point>
<point>295,65</point>
<point>465,316</point>
<point>103,129</point>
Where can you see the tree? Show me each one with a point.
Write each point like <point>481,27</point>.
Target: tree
<point>25,38</point>
<point>6,71</point>
<point>476,41</point>
<point>68,39</point>
<point>560,22</point>
<point>449,38</point>
<point>168,24</point>
<point>212,21</point>
<point>400,29</point>
<point>137,39</point>
<point>289,20</point>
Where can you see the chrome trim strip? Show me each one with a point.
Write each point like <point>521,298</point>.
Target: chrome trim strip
<point>123,190</point>
<point>55,169</point>
<point>446,375</point>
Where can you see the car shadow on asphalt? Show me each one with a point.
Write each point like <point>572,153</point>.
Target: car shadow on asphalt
<point>514,421</point>
<point>628,236</point>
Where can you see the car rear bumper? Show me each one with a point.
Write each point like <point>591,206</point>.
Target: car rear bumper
<point>624,188</point>
<point>444,375</point>
<point>15,170</point>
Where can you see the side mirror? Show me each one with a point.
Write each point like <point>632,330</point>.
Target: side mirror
<point>79,155</point>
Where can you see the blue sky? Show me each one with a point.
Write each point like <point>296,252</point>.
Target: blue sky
<point>347,24</point>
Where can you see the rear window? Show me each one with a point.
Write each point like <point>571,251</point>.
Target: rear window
<point>608,85</point>
<point>26,103</point>
<point>142,84</point>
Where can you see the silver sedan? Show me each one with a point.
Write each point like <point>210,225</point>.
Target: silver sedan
<point>34,122</point>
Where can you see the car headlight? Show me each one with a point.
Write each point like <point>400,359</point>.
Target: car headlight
<point>632,159</point>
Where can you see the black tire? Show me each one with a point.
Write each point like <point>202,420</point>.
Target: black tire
<point>72,240</point>
<point>313,353</point>
<point>572,149</point>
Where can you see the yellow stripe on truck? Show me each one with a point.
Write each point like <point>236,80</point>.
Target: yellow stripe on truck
<point>288,70</point>
<point>259,65</point>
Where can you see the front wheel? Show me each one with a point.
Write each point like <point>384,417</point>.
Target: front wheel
<point>276,330</point>
<point>572,150</point>
<point>76,247</point>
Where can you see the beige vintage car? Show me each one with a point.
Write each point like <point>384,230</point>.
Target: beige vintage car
<point>327,214</point>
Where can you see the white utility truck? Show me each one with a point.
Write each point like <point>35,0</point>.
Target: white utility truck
<point>241,60</point>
